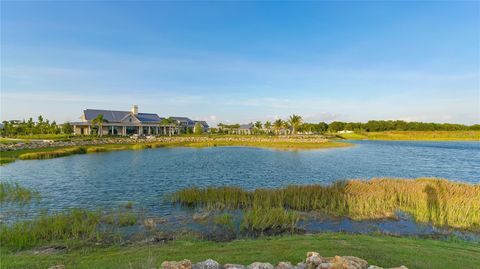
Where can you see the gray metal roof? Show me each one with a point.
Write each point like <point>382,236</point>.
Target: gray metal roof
<point>117,116</point>
<point>246,126</point>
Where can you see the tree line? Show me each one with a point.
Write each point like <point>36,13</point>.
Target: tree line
<point>294,124</point>
<point>31,127</point>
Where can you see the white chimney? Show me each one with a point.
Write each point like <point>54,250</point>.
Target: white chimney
<point>135,110</point>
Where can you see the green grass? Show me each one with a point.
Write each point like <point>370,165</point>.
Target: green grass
<point>379,250</point>
<point>13,192</point>
<point>440,202</point>
<point>416,135</point>
<point>270,219</point>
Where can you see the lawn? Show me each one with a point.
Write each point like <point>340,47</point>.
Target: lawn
<point>379,250</point>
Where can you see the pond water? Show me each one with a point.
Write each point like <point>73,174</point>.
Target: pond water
<point>147,176</point>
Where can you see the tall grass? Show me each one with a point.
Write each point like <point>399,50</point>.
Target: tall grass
<point>52,154</point>
<point>13,192</point>
<point>269,219</point>
<point>76,224</point>
<point>438,201</point>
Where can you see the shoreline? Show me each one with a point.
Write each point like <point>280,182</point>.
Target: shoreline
<point>11,153</point>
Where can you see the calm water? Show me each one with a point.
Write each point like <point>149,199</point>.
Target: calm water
<point>146,176</point>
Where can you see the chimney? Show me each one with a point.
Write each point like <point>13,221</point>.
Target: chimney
<point>135,110</point>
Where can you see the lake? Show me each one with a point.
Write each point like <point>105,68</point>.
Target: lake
<point>147,176</point>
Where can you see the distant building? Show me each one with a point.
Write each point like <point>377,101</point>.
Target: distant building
<point>345,132</point>
<point>132,123</point>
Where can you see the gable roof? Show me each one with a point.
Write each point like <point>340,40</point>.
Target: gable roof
<point>118,116</point>
<point>246,126</point>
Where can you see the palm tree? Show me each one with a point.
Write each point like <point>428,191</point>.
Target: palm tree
<point>267,125</point>
<point>98,121</point>
<point>278,125</point>
<point>258,125</point>
<point>167,122</point>
<point>295,121</point>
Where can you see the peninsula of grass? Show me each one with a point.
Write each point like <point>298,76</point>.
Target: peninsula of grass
<point>416,135</point>
<point>379,250</point>
<point>13,192</point>
<point>56,152</point>
<point>438,201</point>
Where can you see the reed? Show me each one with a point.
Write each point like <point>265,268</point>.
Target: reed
<point>75,224</point>
<point>13,192</point>
<point>276,220</point>
<point>52,154</point>
<point>438,201</point>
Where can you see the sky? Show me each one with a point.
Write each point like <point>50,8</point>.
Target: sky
<point>238,62</point>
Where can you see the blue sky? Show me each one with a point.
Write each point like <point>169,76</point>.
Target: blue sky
<point>243,61</point>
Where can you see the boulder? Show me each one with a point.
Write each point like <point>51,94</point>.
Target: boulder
<point>313,260</point>
<point>400,267</point>
<point>233,266</point>
<point>347,262</point>
<point>185,264</point>
<point>301,265</point>
<point>374,267</point>
<point>260,265</point>
<point>207,264</point>
<point>284,265</point>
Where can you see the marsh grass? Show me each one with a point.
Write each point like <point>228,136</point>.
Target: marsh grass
<point>96,149</point>
<point>416,135</point>
<point>276,220</point>
<point>52,154</point>
<point>437,201</point>
<point>13,192</point>
<point>75,224</point>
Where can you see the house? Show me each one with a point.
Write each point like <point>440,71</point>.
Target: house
<point>246,129</point>
<point>131,123</point>
<point>345,132</point>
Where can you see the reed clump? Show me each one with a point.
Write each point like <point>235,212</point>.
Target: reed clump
<point>437,201</point>
<point>75,224</point>
<point>13,192</point>
<point>52,154</point>
<point>270,219</point>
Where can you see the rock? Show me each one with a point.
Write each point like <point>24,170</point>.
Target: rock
<point>347,262</point>
<point>325,265</point>
<point>200,216</point>
<point>284,265</point>
<point>60,266</point>
<point>313,260</point>
<point>233,266</point>
<point>260,265</point>
<point>301,265</point>
<point>185,264</point>
<point>374,267</point>
<point>400,267</point>
<point>207,264</point>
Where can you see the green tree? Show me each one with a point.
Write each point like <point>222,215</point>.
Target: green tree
<point>98,121</point>
<point>67,128</point>
<point>278,125</point>
<point>295,121</point>
<point>198,129</point>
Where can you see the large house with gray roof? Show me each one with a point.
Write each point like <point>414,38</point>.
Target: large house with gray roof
<point>132,122</point>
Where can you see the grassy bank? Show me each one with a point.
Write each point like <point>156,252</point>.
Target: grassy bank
<point>48,153</point>
<point>420,135</point>
<point>380,250</point>
<point>441,202</point>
